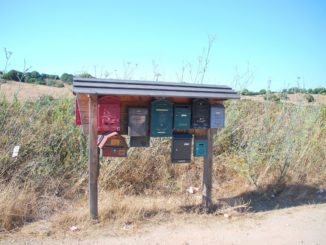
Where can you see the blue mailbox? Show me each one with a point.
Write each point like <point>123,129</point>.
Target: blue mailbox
<point>200,146</point>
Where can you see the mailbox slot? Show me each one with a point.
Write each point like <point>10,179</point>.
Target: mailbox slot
<point>181,148</point>
<point>200,113</point>
<point>217,116</point>
<point>161,118</point>
<point>108,114</point>
<point>138,121</point>
<point>200,146</point>
<point>182,116</point>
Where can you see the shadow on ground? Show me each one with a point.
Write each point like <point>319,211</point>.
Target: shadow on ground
<point>269,198</point>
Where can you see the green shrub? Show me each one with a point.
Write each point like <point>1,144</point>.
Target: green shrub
<point>309,98</point>
<point>54,83</point>
<point>85,75</point>
<point>13,75</point>
<point>272,97</point>
<point>262,91</point>
<point>67,78</point>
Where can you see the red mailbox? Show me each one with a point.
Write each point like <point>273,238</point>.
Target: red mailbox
<point>108,114</point>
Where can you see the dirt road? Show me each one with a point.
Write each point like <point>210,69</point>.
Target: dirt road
<point>300,225</point>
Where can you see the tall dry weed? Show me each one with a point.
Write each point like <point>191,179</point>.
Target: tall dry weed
<point>262,144</point>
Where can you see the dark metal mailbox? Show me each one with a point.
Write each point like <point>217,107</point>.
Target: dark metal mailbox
<point>161,118</point>
<point>182,116</point>
<point>181,148</point>
<point>217,116</point>
<point>138,121</point>
<point>200,146</point>
<point>200,113</point>
<point>139,141</point>
<point>108,114</point>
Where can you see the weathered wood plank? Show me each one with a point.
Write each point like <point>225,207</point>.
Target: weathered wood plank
<point>207,174</point>
<point>93,157</point>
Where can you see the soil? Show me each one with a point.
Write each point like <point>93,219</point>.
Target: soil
<point>297,225</point>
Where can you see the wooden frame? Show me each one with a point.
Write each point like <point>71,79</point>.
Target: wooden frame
<point>140,93</point>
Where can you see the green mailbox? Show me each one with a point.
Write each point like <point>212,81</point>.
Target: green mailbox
<point>200,146</point>
<point>161,118</point>
<point>182,116</point>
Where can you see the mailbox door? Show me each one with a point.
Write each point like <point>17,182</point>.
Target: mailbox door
<point>138,121</point>
<point>182,116</point>
<point>161,118</point>
<point>181,148</point>
<point>108,115</point>
<point>200,113</point>
<point>217,116</point>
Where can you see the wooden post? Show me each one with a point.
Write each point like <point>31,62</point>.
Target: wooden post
<point>207,175</point>
<point>93,157</point>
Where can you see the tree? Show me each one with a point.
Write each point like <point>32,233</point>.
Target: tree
<point>67,78</point>
<point>85,75</point>
<point>35,74</point>
<point>262,91</point>
<point>12,75</point>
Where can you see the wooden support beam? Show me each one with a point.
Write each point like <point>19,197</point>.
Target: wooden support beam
<point>207,175</point>
<point>93,157</point>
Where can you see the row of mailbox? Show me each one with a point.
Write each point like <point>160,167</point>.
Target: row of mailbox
<point>164,116</point>
<point>181,147</point>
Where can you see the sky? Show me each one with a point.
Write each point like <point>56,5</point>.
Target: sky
<point>255,44</point>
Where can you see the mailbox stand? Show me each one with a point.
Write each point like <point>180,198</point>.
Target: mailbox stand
<point>89,92</point>
<point>93,157</point>
<point>207,174</point>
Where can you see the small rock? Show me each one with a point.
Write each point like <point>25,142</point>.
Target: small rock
<point>192,190</point>
<point>74,228</point>
<point>227,216</point>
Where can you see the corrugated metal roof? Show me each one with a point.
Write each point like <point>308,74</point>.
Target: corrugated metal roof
<point>153,89</point>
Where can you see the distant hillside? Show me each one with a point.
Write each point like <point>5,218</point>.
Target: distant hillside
<point>31,92</point>
<point>297,98</point>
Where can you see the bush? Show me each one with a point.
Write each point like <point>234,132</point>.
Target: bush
<point>248,93</point>
<point>262,91</point>
<point>309,98</point>
<point>85,75</point>
<point>68,78</point>
<point>13,75</point>
<point>272,97</point>
<point>54,83</point>
<point>284,96</point>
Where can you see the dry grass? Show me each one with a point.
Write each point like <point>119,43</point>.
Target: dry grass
<point>31,92</point>
<point>263,144</point>
<point>298,99</point>
<point>17,206</point>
